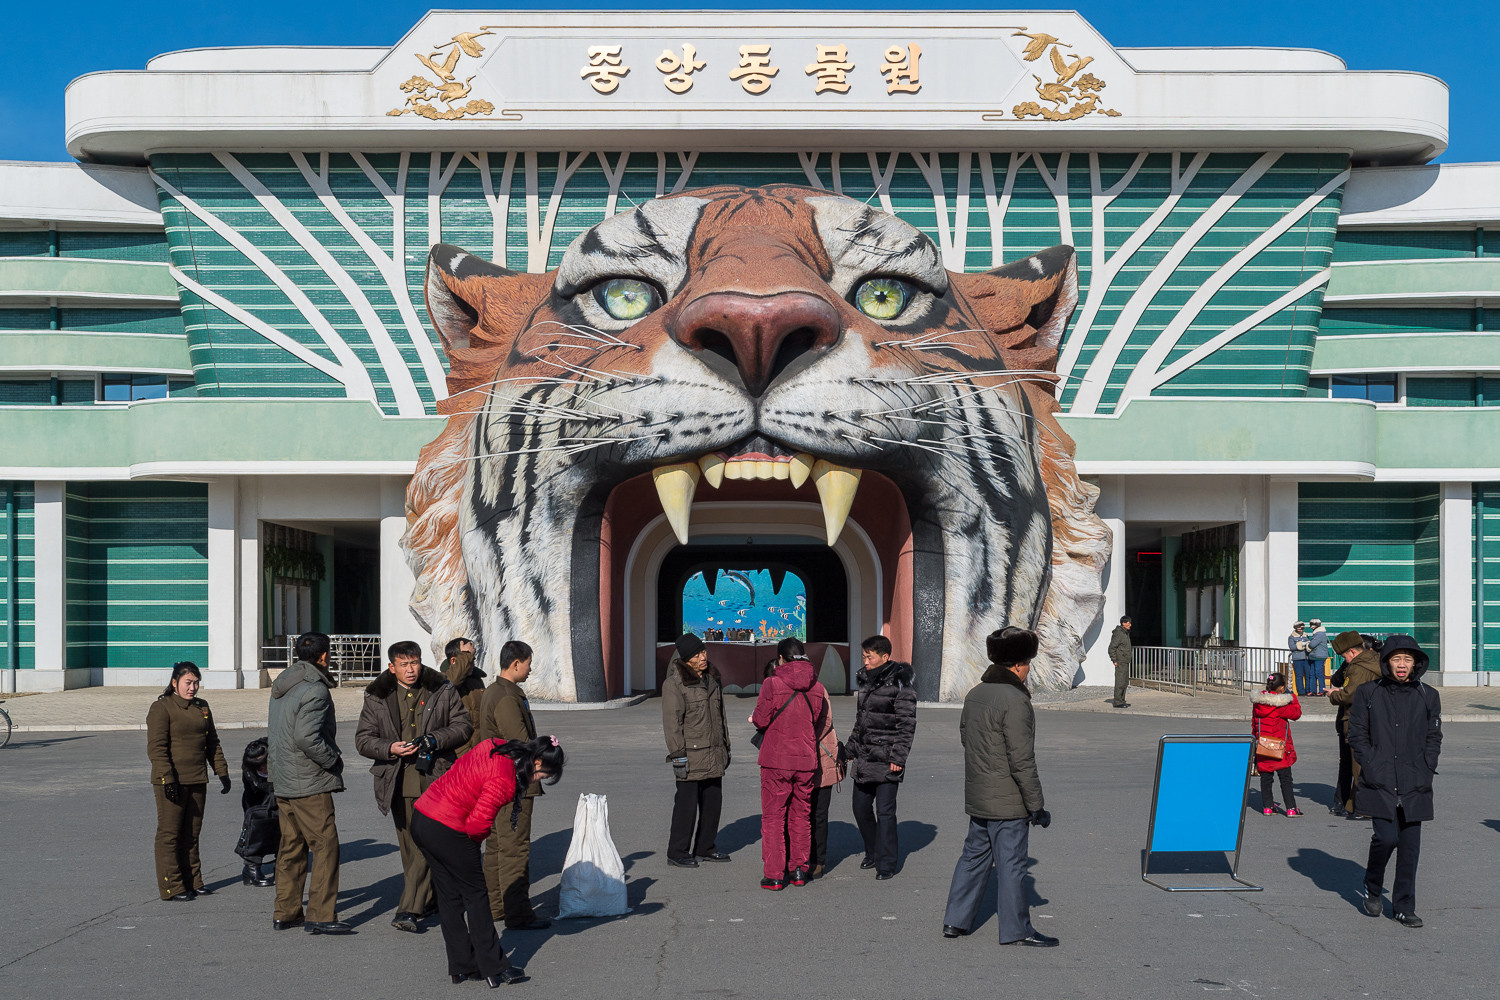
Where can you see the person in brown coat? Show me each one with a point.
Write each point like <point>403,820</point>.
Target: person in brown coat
<point>464,674</point>
<point>692,720</point>
<point>504,713</point>
<point>1361,666</point>
<point>182,743</point>
<point>411,725</point>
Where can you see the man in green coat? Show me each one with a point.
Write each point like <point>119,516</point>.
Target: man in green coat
<point>306,768</point>
<point>1121,652</point>
<point>1002,793</point>
<point>1361,666</point>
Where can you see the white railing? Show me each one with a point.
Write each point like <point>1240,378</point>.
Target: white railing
<point>349,657</point>
<point>1214,668</point>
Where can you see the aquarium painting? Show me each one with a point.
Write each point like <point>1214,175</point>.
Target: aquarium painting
<point>745,605</point>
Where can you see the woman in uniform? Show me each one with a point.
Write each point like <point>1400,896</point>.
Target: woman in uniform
<point>181,742</point>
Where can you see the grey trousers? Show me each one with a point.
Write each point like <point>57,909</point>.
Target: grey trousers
<point>1005,843</point>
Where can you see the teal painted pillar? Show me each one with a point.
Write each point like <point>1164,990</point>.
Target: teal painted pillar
<point>323,613</point>
<point>12,585</point>
<point>1171,596</point>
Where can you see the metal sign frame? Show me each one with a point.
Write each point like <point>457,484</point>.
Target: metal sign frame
<point>1234,871</point>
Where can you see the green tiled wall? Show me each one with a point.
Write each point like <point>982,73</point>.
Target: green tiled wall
<point>1404,244</point>
<point>1486,498</point>
<point>25,540</point>
<point>1368,558</point>
<point>1339,322</point>
<point>133,244</point>
<point>109,320</point>
<point>137,574</point>
<point>1271,359</point>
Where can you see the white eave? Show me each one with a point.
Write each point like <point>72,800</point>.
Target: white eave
<point>73,193</point>
<point>1461,194</point>
<point>275,98</point>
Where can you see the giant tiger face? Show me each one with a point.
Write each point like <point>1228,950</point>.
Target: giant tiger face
<point>821,336</point>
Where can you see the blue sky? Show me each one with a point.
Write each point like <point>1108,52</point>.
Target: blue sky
<point>51,43</point>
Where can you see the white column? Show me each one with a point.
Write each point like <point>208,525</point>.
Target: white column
<point>51,616</point>
<point>1255,590</point>
<point>1097,667</point>
<point>1281,558</point>
<point>1456,576</point>
<point>224,670</point>
<point>396,579</point>
<point>249,597</point>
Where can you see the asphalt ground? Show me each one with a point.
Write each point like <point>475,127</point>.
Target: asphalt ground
<point>81,918</point>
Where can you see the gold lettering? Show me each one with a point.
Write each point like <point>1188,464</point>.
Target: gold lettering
<point>755,70</point>
<point>679,70</point>
<point>605,67</point>
<point>902,73</point>
<point>830,67</point>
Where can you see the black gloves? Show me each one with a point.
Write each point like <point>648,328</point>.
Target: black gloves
<point>172,791</point>
<point>843,754</point>
<point>223,784</point>
<point>1041,818</point>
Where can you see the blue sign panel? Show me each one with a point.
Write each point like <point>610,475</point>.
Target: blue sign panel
<point>1199,797</point>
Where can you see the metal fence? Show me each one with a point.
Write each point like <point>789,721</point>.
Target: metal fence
<point>1214,668</point>
<point>350,657</point>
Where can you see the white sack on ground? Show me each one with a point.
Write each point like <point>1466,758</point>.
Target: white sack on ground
<point>593,878</point>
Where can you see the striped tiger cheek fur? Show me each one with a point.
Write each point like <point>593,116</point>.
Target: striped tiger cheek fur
<point>952,395</point>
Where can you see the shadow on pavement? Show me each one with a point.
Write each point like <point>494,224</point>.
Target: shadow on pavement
<point>1340,876</point>
<point>1493,824</point>
<point>740,834</point>
<point>1315,792</point>
<point>521,946</point>
<point>21,742</point>
<point>376,899</point>
<point>359,850</point>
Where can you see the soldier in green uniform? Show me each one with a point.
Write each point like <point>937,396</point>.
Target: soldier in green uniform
<point>464,674</point>
<point>181,742</point>
<point>404,707</point>
<point>504,713</point>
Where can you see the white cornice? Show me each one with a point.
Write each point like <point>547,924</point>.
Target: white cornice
<point>44,193</point>
<point>1453,194</point>
<point>974,75</point>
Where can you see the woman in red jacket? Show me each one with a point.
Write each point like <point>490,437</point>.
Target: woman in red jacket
<point>789,712</point>
<point>452,818</point>
<point>1273,711</point>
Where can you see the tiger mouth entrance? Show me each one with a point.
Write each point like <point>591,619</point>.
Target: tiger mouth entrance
<point>744,599</point>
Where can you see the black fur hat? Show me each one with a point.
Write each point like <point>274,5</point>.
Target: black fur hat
<point>1011,645</point>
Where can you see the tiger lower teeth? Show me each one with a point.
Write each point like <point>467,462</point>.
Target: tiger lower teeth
<point>836,484</point>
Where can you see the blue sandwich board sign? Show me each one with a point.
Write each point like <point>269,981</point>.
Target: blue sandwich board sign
<point>1198,803</point>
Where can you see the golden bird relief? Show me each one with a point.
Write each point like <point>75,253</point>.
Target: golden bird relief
<point>1067,70</point>
<point>1072,96</point>
<point>1038,44</point>
<point>422,92</point>
<point>1055,93</point>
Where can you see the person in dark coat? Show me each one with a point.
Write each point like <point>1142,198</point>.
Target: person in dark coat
<point>412,725</point>
<point>1002,793</point>
<point>692,721</point>
<point>1121,654</point>
<point>261,830</point>
<point>885,721</point>
<point>789,712</point>
<point>463,673</point>
<point>1361,666</point>
<point>1272,713</point>
<point>1396,734</point>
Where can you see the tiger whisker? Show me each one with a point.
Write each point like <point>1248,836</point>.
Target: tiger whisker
<point>592,333</point>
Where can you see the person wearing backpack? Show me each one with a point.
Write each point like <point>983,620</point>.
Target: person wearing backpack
<point>788,715</point>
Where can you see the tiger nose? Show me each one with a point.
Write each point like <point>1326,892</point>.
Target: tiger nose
<point>760,336</point>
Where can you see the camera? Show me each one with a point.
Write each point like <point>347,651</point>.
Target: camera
<point>423,759</point>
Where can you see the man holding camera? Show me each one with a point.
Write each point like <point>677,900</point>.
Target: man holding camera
<point>412,723</point>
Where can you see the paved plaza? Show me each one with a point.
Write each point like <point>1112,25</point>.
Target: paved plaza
<point>81,918</point>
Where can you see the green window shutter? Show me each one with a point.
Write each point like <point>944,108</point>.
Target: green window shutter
<point>32,243</point>
<point>165,321</point>
<point>25,392</point>
<point>1338,322</point>
<point>25,319</point>
<point>1453,391</point>
<point>122,245</point>
<point>74,391</point>
<point>1402,244</point>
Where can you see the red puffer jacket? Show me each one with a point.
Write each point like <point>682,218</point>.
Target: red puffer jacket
<point>471,792</point>
<point>790,742</point>
<point>1272,711</point>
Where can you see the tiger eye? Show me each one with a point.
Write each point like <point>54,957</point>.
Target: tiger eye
<point>882,298</point>
<point>627,298</point>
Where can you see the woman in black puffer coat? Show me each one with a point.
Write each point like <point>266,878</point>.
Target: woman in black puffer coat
<point>884,724</point>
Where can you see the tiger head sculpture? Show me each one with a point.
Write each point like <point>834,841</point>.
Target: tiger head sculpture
<point>784,322</point>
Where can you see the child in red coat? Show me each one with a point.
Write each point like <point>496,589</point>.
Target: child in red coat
<point>1273,711</point>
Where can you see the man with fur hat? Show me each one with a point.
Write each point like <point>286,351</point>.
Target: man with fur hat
<point>1361,666</point>
<point>1396,733</point>
<point>692,720</point>
<point>1002,793</point>
<point>411,725</point>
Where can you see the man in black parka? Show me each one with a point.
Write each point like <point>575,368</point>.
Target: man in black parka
<point>885,720</point>
<point>1396,733</point>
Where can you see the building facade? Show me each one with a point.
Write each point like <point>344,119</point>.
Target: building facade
<point>218,368</point>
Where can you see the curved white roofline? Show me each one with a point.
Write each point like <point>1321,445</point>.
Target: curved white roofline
<point>1437,193</point>
<point>77,193</point>
<point>1231,58</point>
<point>268,58</point>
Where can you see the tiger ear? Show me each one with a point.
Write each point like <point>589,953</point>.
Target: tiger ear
<point>473,302</point>
<point>1026,303</point>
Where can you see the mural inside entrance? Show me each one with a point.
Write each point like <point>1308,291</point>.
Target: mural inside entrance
<point>778,337</point>
<point>745,606</point>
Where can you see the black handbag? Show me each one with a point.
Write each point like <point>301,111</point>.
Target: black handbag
<point>261,834</point>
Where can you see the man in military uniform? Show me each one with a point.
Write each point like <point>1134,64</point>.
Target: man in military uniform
<point>504,713</point>
<point>411,725</point>
<point>1361,666</point>
<point>464,674</point>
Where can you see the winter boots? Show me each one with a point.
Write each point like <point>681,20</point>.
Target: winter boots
<point>262,874</point>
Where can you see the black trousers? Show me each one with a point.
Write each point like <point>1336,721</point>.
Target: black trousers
<point>1404,837</point>
<point>1344,790</point>
<point>458,885</point>
<point>701,800</point>
<point>1286,788</point>
<point>875,815</point>
<point>821,798</point>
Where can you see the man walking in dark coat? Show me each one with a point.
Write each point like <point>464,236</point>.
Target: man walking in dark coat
<point>1121,653</point>
<point>412,724</point>
<point>885,721</point>
<point>1002,793</point>
<point>1396,733</point>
